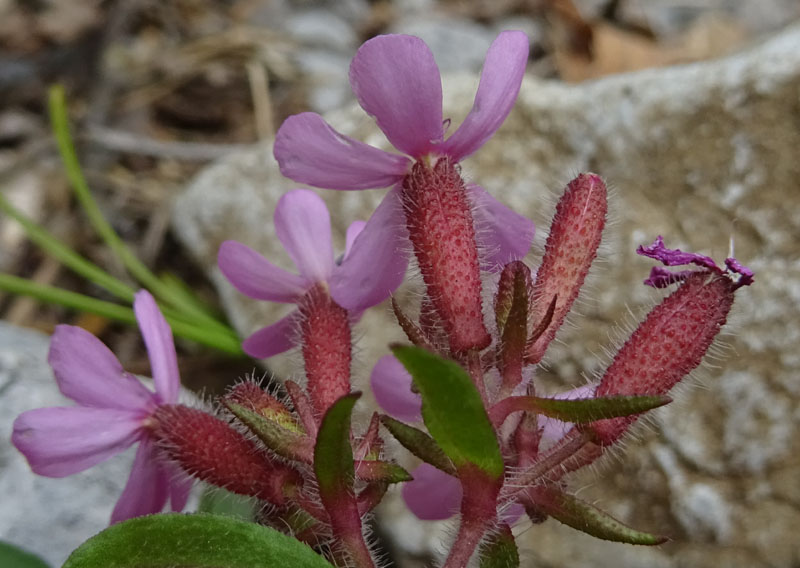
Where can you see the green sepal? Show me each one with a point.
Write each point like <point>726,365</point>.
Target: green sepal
<point>453,410</point>
<point>280,440</point>
<point>587,518</point>
<point>499,550</point>
<point>376,470</point>
<point>420,444</point>
<point>198,541</point>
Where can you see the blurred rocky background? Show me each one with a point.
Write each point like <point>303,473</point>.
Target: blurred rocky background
<point>689,109</point>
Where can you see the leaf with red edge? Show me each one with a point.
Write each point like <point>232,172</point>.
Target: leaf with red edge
<point>333,454</point>
<point>578,410</point>
<point>587,518</point>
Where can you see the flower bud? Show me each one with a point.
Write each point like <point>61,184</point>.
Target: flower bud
<point>211,450</point>
<point>571,247</point>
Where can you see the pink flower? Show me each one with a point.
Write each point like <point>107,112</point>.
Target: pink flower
<point>371,269</point>
<point>113,412</point>
<point>396,80</point>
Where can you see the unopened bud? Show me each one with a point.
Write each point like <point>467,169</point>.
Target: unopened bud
<point>571,247</point>
<point>211,450</point>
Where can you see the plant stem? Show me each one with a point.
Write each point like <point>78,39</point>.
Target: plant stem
<point>562,451</point>
<point>478,510</point>
<point>475,368</point>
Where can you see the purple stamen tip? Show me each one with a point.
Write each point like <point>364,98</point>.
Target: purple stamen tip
<point>746,276</point>
<point>661,277</point>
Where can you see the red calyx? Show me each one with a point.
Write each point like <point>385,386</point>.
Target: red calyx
<point>441,229</point>
<point>211,450</point>
<point>669,344</point>
<point>327,348</point>
<point>571,247</point>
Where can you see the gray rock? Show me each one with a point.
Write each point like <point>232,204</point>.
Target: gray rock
<point>326,73</point>
<point>321,28</point>
<point>457,44</point>
<point>698,153</point>
<point>50,517</point>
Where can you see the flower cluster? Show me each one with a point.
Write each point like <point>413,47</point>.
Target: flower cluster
<point>462,397</point>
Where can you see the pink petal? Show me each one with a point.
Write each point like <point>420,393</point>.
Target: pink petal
<point>89,373</point>
<point>501,78</point>
<point>147,489</point>
<point>504,235</point>
<point>432,495</point>
<point>512,513</point>
<point>375,265</point>
<point>180,486</point>
<point>157,337</point>
<point>256,277</point>
<point>353,231</point>
<point>391,385</point>
<point>397,81</point>
<point>303,226</point>
<point>271,340</point>
<point>60,441</point>
<point>309,151</point>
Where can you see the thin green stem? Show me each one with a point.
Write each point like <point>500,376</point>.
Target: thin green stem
<point>60,123</point>
<point>223,342</point>
<point>68,257</point>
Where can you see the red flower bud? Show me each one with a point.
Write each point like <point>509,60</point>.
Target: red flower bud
<point>211,450</point>
<point>571,247</point>
<point>669,344</point>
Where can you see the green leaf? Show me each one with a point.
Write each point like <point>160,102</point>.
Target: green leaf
<point>419,443</point>
<point>587,518</point>
<point>453,411</point>
<point>581,410</point>
<point>13,557</point>
<point>333,454</point>
<point>333,467</point>
<point>499,550</point>
<point>283,442</point>
<point>197,541</point>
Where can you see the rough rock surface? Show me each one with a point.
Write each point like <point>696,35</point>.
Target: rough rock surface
<point>700,154</point>
<point>49,517</point>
